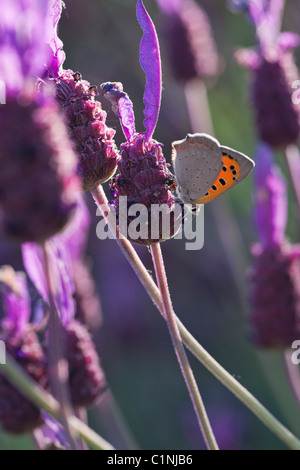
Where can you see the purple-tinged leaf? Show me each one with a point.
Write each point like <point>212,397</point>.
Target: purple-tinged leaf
<point>57,55</point>
<point>270,210</point>
<point>122,106</point>
<point>267,17</point>
<point>151,64</point>
<point>274,15</point>
<point>257,9</point>
<point>288,41</point>
<point>127,116</point>
<point>34,264</point>
<point>247,58</point>
<point>60,275</point>
<point>17,306</point>
<point>53,432</point>
<point>74,236</point>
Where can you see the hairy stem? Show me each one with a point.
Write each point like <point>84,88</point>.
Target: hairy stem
<point>199,352</point>
<point>42,399</point>
<point>185,367</point>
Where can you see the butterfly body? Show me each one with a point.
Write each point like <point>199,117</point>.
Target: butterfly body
<point>204,169</point>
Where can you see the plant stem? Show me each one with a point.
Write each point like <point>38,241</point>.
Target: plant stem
<point>37,438</point>
<point>81,414</point>
<point>293,374</point>
<point>42,399</point>
<point>58,366</point>
<point>199,352</point>
<point>111,420</point>
<point>185,367</point>
<point>292,157</point>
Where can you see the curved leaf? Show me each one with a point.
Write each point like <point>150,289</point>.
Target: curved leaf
<point>57,55</point>
<point>151,64</point>
<point>122,106</point>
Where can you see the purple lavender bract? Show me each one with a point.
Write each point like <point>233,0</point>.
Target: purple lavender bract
<point>273,72</point>
<point>270,210</point>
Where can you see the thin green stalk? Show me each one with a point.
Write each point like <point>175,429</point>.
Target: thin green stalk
<point>199,352</point>
<point>273,363</point>
<point>42,399</point>
<point>81,414</point>
<point>58,366</point>
<point>292,157</point>
<point>185,367</point>
<point>293,374</point>
<point>111,420</point>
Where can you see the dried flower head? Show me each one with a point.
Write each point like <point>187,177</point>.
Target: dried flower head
<point>86,120</point>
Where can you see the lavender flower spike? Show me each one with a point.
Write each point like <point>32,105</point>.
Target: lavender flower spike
<point>275,275</point>
<point>151,64</point>
<point>270,198</point>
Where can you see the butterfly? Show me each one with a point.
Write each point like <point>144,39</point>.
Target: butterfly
<point>204,169</point>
